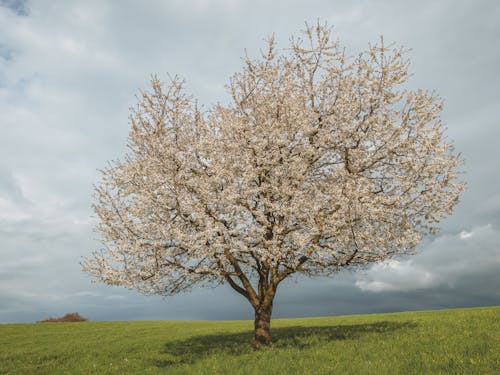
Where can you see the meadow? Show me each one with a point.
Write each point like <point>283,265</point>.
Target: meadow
<point>456,341</point>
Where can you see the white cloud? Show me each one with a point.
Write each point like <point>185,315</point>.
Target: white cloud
<point>69,71</point>
<point>464,235</point>
<point>396,275</point>
<point>444,261</point>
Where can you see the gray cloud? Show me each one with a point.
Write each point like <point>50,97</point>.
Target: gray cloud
<point>9,188</point>
<point>68,75</point>
<point>19,7</point>
<point>446,261</point>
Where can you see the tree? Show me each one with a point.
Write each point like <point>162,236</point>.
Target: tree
<point>321,162</point>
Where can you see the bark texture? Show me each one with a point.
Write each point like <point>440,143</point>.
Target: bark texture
<point>262,326</point>
<point>263,311</point>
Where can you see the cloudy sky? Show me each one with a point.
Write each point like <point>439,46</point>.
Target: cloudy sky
<point>70,70</point>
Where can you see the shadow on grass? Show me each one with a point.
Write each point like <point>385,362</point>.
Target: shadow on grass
<point>297,337</point>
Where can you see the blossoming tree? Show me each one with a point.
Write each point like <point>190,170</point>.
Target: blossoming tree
<point>320,163</point>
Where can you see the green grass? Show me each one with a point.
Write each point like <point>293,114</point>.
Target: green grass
<point>458,341</point>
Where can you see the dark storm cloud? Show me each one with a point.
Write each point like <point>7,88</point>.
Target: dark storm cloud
<point>68,75</point>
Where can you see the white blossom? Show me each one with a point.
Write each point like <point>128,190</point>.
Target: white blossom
<point>321,162</point>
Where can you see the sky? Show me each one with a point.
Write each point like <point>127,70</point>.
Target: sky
<point>70,71</point>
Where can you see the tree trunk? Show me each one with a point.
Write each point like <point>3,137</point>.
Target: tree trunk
<point>262,327</point>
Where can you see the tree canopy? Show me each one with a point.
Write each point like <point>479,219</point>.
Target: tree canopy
<point>320,162</point>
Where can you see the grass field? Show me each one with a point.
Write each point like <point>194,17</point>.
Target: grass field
<point>458,341</point>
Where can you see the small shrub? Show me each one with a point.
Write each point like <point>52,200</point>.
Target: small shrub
<point>71,317</point>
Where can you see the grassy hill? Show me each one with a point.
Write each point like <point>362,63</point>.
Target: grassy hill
<point>439,342</point>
